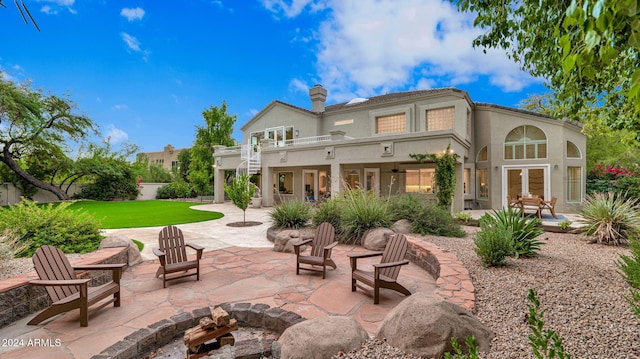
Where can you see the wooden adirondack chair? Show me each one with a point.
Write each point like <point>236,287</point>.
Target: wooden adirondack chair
<point>321,245</point>
<point>385,274</point>
<point>550,206</point>
<point>66,291</point>
<point>173,255</point>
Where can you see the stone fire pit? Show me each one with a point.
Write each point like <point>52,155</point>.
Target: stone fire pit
<point>146,342</point>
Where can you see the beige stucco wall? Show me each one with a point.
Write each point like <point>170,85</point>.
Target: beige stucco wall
<point>166,157</point>
<point>307,124</point>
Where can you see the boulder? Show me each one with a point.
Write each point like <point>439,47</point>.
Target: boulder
<point>402,226</point>
<point>133,254</point>
<point>423,325</point>
<point>284,240</point>
<point>322,337</point>
<point>376,239</point>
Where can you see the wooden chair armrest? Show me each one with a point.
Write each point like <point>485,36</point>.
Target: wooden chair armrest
<point>48,283</point>
<point>197,248</point>
<point>365,255</point>
<point>100,266</point>
<point>330,246</point>
<point>194,246</point>
<point>303,241</point>
<point>161,256</point>
<point>391,264</point>
<point>353,258</point>
<point>326,252</point>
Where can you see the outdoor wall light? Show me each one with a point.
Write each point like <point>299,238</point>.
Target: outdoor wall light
<point>495,168</point>
<point>297,133</point>
<point>555,167</point>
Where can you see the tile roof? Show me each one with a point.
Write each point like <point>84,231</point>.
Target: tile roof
<point>388,97</point>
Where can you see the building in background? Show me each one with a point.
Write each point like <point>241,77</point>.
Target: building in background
<point>168,158</point>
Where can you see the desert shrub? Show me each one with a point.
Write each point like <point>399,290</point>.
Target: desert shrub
<point>328,211</point>
<point>524,231</point>
<point>493,245</point>
<point>291,214</point>
<point>53,224</point>
<point>405,206</point>
<point>610,218</point>
<point>463,217</point>
<point>177,189</point>
<point>10,244</point>
<point>545,343</point>
<point>564,224</point>
<point>361,211</point>
<point>630,270</point>
<point>435,220</point>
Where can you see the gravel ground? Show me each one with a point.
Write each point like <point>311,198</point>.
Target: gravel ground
<point>577,283</point>
<point>579,289</point>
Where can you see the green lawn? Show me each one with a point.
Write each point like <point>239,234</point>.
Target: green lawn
<point>134,214</point>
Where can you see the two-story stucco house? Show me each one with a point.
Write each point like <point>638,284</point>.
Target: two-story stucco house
<point>300,153</point>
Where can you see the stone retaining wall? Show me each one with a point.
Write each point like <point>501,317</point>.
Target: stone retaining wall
<point>453,280</point>
<point>143,341</point>
<point>18,299</point>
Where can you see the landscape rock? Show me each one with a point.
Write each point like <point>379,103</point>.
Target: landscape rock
<point>322,337</point>
<point>133,254</point>
<point>402,226</point>
<point>423,325</point>
<point>284,241</point>
<point>376,239</point>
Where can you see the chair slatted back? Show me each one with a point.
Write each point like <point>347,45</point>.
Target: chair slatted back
<point>553,202</point>
<point>51,264</point>
<point>325,235</point>
<point>395,251</point>
<point>172,244</point>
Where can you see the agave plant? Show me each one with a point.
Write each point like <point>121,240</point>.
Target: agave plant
<point>610,218</point>
<point>524,231</point>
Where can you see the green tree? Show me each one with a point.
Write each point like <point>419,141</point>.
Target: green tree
<point>587,51</point>
<point>240,192</point>
<point>34,124</point>
<point>217,131</point>
<point>184,161</point>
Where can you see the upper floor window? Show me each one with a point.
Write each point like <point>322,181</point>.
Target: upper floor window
<point>525,142</point>
<point>391,123</point>
<point>572,150</point>
<point>441,119</point>
<point>482,155</point>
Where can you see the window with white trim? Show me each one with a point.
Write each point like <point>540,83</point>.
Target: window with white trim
<point>572,150</point>
<point>574,184</point>
<point>525,142</point>
<point>482,183</point>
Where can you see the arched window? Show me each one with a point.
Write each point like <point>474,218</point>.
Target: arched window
<point>525,142</point>
<point>482,155</point>
<point>572,150</point>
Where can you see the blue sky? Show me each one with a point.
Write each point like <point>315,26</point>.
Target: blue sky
<point>145,70</point>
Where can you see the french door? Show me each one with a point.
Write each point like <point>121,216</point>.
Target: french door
<point>524,180</point>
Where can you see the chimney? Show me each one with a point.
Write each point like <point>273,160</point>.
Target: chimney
<point>318,96</point>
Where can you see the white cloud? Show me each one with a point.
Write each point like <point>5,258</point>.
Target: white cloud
<point>115,135</point>
<point>132,14</point>
<point>52,6</point>
<point>121,107</point>
<point>175,98</point>
<point>297,85</point>
<point>293,8</point>
<point>131,42</point>
<point>369,47</point>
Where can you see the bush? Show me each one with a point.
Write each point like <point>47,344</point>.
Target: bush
<point>51,224</point>
<point>630,270</point>
<point>524,231</point>
<point>405,206</point>
<point>610,218</point>
<point>291,214</point>
<point>493,245</point>
<point>328,211</point>
<point>177,189</point>
<point>361,211</point>
<point>436,220</point>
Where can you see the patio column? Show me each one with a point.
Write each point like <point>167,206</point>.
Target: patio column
<point>458,196</point>
<point>267,186</point>
<point>218,185</point>
<point>336,176</point>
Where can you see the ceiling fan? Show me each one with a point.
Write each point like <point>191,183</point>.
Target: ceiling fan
<point>395,169</point>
